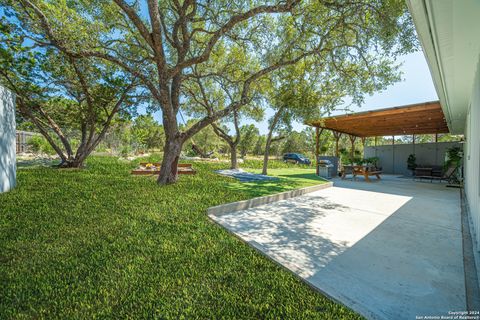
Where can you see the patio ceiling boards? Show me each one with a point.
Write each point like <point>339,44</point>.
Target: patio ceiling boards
<point>421,118</point>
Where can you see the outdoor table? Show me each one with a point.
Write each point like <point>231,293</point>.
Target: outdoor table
<point>423,173</point>
<point>359,170</point>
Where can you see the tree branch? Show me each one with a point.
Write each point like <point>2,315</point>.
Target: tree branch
<point>26,111</point>
<point>137,21</point>
<point>227,27</point>
<point>221,133</point>
<point>114,111</point>
<point>157,41</point>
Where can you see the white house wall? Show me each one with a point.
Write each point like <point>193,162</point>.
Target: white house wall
<point>449,32</point>
<point>7,140</point>
<point>472,158</point>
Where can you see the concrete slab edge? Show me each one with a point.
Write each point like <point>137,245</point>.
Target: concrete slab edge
<point>255,202</point>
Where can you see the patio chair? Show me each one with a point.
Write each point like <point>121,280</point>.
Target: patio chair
<point>422,173</point>
<point>430,174</point>
<point>448,175</point>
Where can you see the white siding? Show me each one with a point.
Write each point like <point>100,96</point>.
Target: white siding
<point>7,140</point>
<point>472,158</point>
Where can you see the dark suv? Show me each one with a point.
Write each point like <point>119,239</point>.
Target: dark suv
<point>296,158</point>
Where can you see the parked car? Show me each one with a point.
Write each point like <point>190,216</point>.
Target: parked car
<point>296,158</point>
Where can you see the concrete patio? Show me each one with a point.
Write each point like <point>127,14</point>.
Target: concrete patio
<point>389,249</point>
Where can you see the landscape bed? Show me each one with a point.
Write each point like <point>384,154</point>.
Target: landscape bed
<point>100,243</point>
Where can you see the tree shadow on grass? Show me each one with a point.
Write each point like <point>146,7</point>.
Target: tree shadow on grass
<point>37,163</point>
<point>288,232</point>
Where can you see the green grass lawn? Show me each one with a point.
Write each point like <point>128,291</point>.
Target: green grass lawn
<point>288,179</point>
<point>100,243</point>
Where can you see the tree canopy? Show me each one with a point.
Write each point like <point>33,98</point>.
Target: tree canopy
<point>168,45</point>
<point>63,96</point>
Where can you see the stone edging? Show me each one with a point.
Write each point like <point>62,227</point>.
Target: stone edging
<point>255,202</point>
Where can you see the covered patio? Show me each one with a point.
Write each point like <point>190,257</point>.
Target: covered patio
<point>391,249</point>
<point>415,119</point>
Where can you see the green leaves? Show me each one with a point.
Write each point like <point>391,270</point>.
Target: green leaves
<point>217,57</point>
<point>147,133</point>
<point>249,136</point>
<point>68,97</point>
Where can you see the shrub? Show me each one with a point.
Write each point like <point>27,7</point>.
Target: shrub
<point>125,151</point>
<point>372,160</point>
<point>38,144</point>
<point>453,157</point>
<point>412,162</point>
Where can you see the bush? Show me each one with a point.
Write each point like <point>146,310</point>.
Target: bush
<point>411,162</point>
<point>357,160</point>
<point>125,151</point>
<point>454,157</point>
<point>38,144</point>
<point>372,160</point>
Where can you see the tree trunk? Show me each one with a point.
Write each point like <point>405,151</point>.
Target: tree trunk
<point>78,160</point>
<point>232,142</point>
<point>273,125</point>
<point>233,156</point>
<point>173,139</point>
<point>73,163</point>
<point>171,155</point>
<point>267,152</point>
<point>199,151</point>
<point>243,154</point>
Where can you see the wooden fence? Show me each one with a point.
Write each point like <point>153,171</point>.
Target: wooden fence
<point>22,139</point>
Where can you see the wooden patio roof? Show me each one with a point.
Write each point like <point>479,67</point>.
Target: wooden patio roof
<point>421,118</point>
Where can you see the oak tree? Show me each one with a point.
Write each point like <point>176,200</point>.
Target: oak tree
<point>61,94</point>
<point>160,43</point>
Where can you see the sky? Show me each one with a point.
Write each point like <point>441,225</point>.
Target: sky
<point>416,86</point>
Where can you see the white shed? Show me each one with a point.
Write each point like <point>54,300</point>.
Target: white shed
<point>8,166</point>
